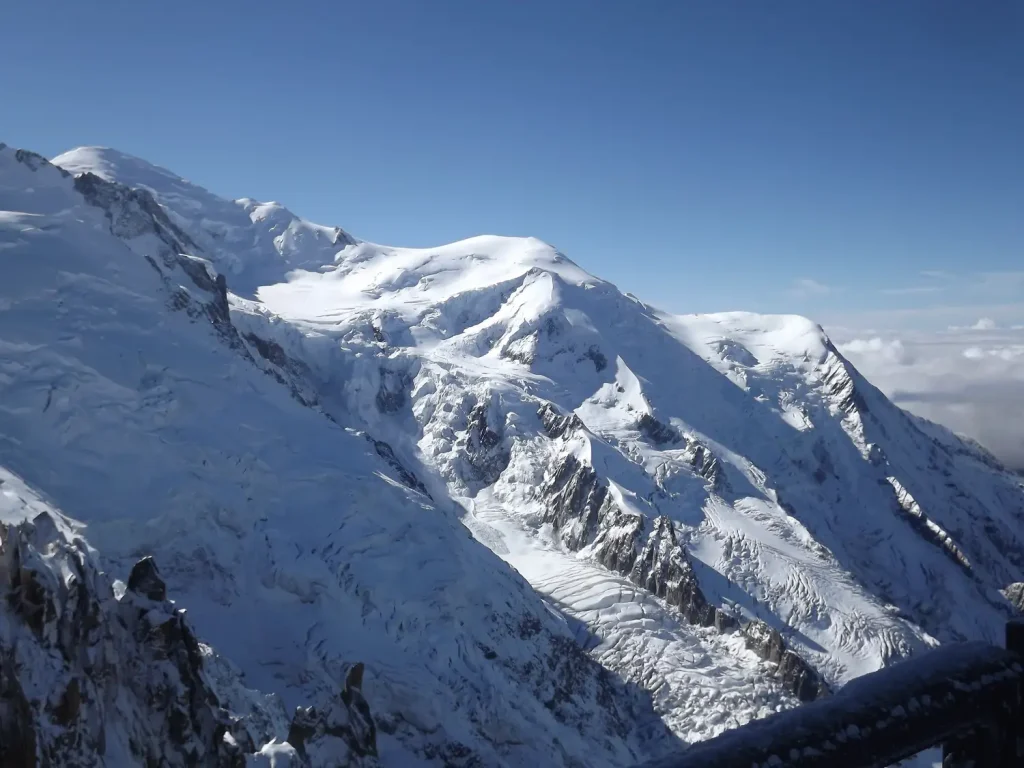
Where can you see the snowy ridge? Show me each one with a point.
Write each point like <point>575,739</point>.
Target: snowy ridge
<point>294,544</point>
<point>772,409</point>
<point>710,516</point>
<point>249,241</point>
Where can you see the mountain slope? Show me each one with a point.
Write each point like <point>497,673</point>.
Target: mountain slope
<point>133,400</point>
<point>251,243</point>
<point>810,511</point>
<point>92,668</point>
<point>718,510</point>
<point>799,494</point>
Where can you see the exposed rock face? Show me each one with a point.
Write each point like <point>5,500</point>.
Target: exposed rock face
<point>194,286</point>
<point>839,383</point>
<point>1015,594</point>
<point>133,214</point>
<point>662,568</point>
<point>87,677</point>
<point>705,464</point>
<point>484,449</point>
<point>393,394</point>
<point>658,432</point>
<point>332,735</point>
<point>343,238</point>
<point>798,675</point>
<point>271,357</point>
<point>145,580</point>
<point>522,350</point>
<point>928,529</point>
<point>597,357</point>
<point>584,513</point>
<point>556,424</point>
<point>575,499</point>
<point>404,474</point>
<point>33,160</point>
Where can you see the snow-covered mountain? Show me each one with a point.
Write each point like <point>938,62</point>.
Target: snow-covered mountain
<point>466,505</point>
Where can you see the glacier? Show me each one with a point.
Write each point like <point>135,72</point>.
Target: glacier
<point>465,505</point>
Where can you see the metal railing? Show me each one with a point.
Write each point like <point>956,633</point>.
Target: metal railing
<point>966,697</point>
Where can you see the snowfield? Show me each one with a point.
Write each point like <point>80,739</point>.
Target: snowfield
<point>464,506</point>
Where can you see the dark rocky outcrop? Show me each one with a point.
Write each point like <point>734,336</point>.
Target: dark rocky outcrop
<point>292,373</point>
<point>76,662</point>
<point>393,393</point>
<point>582,510</point>
<point>324,736</point>
<point>799,676</point>
<point>574,495</point>
<point>19,747</point>
<point>404,474</point>
<point>556,424</point>
<point>597,357</point>
<point>839,383</point>
<point>522,350</point>
<point>132,213</point>
<point>342,238</point>
<point>33,160</point>
<point>1015,594</point>
<point>269,350</point>
<point>663,569</point>
<point>705,464</point>
<point>145,580</point>
<point>656,431</point>
<point>912,512</point>
<point>485,451</point>
<point>193,286</point>
<point>87,677</point>
<point>378,334</point>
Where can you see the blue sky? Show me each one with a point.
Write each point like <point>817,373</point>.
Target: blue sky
<point>834,159</point>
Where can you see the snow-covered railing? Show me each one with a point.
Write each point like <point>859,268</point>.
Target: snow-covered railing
<point>966,697</point>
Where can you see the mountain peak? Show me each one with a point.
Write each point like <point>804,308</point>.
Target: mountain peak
<point>113,165</point>
<point>691,496</point>
<point>252,242</point>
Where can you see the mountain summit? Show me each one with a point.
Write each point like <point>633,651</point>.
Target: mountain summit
<point>251,242</point>
<point>317,501</point>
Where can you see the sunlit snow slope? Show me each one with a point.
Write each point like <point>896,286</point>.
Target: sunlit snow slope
<point>139,406</point>
<point>718,510</point>
<point>796,492</point>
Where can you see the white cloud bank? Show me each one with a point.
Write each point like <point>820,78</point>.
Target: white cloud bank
<point>983,324</point>
<point>969,378</point>
<point>892,351</point>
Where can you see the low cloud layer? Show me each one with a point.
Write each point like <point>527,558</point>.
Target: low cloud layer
<point>969,378</point>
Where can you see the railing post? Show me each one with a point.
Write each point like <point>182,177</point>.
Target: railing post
<point>1015,637</point>
<point>1015,716</point>
<point>981,748</point>
<point>1000,744</point>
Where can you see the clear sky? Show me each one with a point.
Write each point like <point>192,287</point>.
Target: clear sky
<point>825,158</point>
